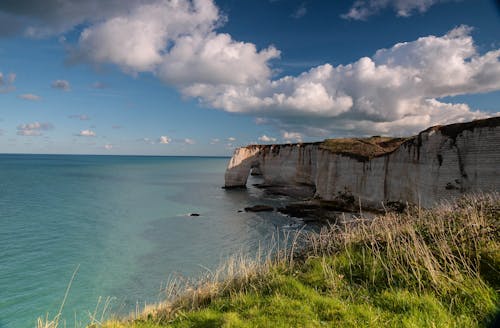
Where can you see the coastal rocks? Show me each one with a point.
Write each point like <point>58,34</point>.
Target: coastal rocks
<point>440,163</point>
<point>259,208</point>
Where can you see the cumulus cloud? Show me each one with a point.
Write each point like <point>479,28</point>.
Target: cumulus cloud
<point>164,140</point>
<point>108,146</point>
<point>396,87</point>
<point>61,85</point>
<point>30,96</point>
<point>362,9</point>
<point>399,89</point>
<point>291,136</point>
<point>86,133</point>
<point>214,141</point>
<point>231,139</point>
<point>7,82</point>
<point>265,138</point>
<point>188,141</point>
<point>176,40</point>
<point>33,129</point>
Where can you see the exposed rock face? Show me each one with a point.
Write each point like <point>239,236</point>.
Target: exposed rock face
<point>439,163</point>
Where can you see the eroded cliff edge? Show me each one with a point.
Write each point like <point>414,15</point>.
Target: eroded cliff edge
<point>439,163</point>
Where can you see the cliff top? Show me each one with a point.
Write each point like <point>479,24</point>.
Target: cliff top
<point>363,148</point>
<point>453,130</point>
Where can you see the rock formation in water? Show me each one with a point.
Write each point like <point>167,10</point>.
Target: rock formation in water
<point>439,163</point>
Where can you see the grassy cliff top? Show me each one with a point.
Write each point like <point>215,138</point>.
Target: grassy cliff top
<point>363,148</point>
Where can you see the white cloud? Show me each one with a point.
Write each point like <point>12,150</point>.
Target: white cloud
<point>108,146</point>
<point>30,96</point>
<point>178,42</point>
<point>189,141</point>
<point>33,129</point>
<point>214,141</point>
<point>397,86</point>
<point>265,138</point>
<point>7,82</point>
<point>291,136</point>
<point>362,9</point>
<point>164,140</point>
<point>61,85</point>
<point>231,139</point>
<point>175,40</point>
<point>87,133</point>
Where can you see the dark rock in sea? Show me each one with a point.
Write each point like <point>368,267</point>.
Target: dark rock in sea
<point>259,208</point>
<point>194,214</point>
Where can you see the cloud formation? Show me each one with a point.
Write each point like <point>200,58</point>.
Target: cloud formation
<point>265,138</point>
<point>30,96</point>
<point>164,140</point>
<point>86,133</point>
<point>398,90</point>
<point>33,129</point>
<point>291,136</point>
<point>177,41</point>
<point>395,91</point>
<point>61,85</point>
<point>362,9</point>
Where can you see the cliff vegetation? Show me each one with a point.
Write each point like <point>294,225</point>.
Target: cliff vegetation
<point>363,148</point>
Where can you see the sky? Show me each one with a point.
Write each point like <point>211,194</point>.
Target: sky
<point>201,77</point>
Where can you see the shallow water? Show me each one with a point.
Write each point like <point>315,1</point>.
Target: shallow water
<point>123,220</point>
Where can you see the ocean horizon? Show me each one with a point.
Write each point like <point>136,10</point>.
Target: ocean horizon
<point>124,221</point>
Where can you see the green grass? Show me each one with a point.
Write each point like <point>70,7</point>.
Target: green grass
<point>432,268</point>
<point>363,148</point>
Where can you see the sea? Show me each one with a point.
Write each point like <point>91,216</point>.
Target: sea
<point>121,225</point>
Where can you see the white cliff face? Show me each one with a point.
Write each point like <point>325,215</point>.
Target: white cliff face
<point>438,164</point>
<point>240,165</point>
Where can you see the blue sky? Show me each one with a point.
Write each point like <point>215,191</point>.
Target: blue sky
<point>160,77</point>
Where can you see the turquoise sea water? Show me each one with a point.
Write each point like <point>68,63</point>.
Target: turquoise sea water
<point>123,220</point>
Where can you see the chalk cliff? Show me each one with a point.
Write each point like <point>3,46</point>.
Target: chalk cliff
<point>439,163</point>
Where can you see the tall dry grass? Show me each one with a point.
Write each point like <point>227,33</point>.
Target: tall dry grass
<point>438,248</point>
